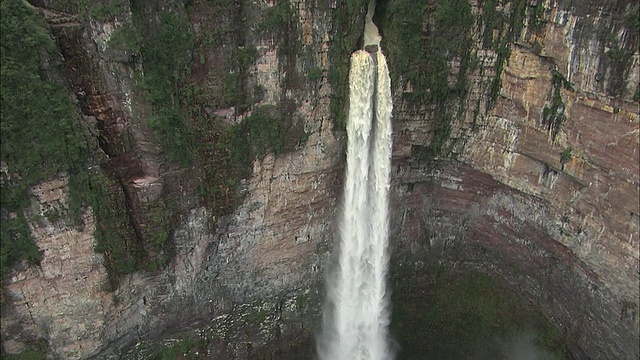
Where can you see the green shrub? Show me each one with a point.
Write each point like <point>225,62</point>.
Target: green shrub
<point>231,88</point>
<point>166,52</point>
<point>536,17</point>
<point>103,10</point>
<point>315,74</point>
<point>183,349</point>
<point>114,236</point>
<point>277,17</point>
<point>126,38</point>
<point>17,243</point>
<point>258,134</point>
<point>26,355</point>
<point>245,56</point>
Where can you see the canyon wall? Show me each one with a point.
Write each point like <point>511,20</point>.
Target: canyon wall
<point>515,153</point>
<point>552,211</point>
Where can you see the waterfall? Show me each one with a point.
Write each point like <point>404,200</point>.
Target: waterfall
<point>356,314</point>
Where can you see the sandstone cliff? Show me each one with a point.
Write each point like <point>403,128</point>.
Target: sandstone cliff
<point>516,150</point>
<point>526,201</point>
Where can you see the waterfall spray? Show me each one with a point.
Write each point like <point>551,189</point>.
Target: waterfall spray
<point>356,314</point>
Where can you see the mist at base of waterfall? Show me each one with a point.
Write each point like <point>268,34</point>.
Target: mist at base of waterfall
<point>440,312</point>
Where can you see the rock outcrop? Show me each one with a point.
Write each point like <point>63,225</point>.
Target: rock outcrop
<point>65,298</point>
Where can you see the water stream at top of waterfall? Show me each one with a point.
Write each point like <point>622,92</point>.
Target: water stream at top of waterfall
<point>356,316</point>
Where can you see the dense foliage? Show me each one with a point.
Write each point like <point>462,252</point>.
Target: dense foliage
<point>27,355</point>
<point>41,138</point>
<point>38,124</point>
<point>102,10</point>
<point>166,49</point>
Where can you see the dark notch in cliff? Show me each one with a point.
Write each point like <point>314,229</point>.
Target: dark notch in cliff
<point>119,231</point>
<point>553,116</point>
<point>132,233</point>
<point>379,15</point>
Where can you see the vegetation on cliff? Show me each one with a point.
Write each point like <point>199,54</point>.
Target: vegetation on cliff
<point>166,48</point>
<point>227,145</point>
<point>40,136</point>
<point>508,27</point>
<point>189,135</point>
<point>43,137</point>
<point>161,40</point>
<point>30,354</point>
<point>432,50</point>
<point>553,116</point>
<point>424,40</point>
<point>102,10</point>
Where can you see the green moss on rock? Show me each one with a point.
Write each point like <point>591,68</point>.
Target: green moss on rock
<point>166,50</point>
<point>423,41</point>
<point>40,135</point>
<point>553,116</point>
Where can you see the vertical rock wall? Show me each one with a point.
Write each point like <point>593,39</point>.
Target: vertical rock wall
<point>266,254</point>
<point>64,300</point>
<point>543,191</point>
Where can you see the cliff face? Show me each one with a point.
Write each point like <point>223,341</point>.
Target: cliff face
<point>555,213</point>
<point>238,272</point>
<point>530,174</point>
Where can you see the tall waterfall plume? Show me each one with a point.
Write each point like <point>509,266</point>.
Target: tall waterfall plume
<point>357,312</point>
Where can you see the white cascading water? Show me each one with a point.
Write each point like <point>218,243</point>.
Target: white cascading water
<point>357,312</point>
